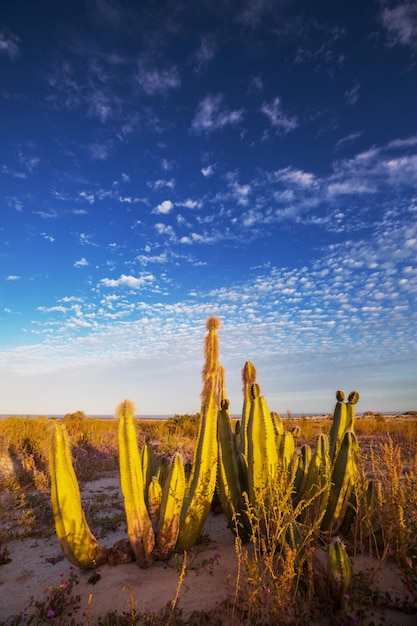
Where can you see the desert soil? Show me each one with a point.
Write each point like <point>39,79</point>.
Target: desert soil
<point>211,571</point>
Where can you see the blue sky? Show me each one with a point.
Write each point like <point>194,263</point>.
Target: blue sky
<point>164,161</point>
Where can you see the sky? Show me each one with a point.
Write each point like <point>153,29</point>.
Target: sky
<point>164,161</point>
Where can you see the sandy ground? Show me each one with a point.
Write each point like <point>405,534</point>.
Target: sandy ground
<point>38,563</point>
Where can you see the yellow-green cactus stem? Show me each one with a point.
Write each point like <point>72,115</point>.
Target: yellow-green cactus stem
<point>353,398</point>
<point>170,510</point>
<point>339,572</point>
<point>139,525</point>
<point>278,425</point>
<point>248,379</point>
<point>202,481</point>
<point>149,467</point>
<point>228,483</point>
<point>303,461</point>
<point>154,501</point>
<point>317,482</point>
<point>338,428</point>
<point>262,454</point>
<point>344,473</point>
<point>285,449</point>
<point>75,537</point>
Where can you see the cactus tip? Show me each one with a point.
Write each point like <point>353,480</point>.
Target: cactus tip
<point>340,395</point>
<point>213,323</point>
<point>353,397</point>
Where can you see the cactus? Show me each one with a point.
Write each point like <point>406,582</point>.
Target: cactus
<point>139,526</point>
<point>344,473</point>
<point>248,379</point>
<point>339,572</point>
<point>353,399</point>
<point>170,510</point>
<point>149,467</point>
<point>262,454</point>
<point>317,481</point>
<point>77,542</point>
<point>228,482</point>
<point>204,470</point>
<point>278,425</point>
<point>285,449</point>
<point>338,428</point>
<point>303,461</point>
<point>154,497</point>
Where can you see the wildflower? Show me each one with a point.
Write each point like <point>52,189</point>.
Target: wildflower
<point>50,613</point>
<point>267,590</point>
<point>216,555</point>
<point>346,596</point>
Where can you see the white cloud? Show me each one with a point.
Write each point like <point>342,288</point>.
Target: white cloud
<point>278,119</point>
<point>12,277</point>
<point>204,54</point>
<point>352,95</point>
<point>207,171</point>
<point>210,116</point>
<point>81,263</point>
<point>161,183</point>
<point>87,196</point>
<point>164,207</point>
<point>144,280</point>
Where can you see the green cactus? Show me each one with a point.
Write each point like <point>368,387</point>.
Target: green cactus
<point>338,428</point>
<point>339,572</point>
<point>317,482</point>
<point>248,379</point>
<point>75,537</point>
<point>302,464</point>
<point>262,456</point>
<point>149,467</point>
<point>154,497</point>
<point>353,399</point>
<point>139,525</point>
<point>228,482</point>
<point>344,473</point>
<point>285,449</point>
<point>170,509</point>
<point>202,481</point>
<point>278,425</point>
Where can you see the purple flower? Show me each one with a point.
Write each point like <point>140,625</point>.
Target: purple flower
<point>216,555</point>
<point>50,613</point>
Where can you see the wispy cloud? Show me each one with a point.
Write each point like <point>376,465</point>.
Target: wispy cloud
<point>81,263</point>
<point>143,281</point>
<point>204,54</point>
<point>401,23</point>
<point>12,277</point>
<point>9,44</point>
<point>158,81</point>
<point>211,116</point>
<point>278,119</point>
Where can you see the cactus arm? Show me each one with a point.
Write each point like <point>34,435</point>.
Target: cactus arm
<point>139,526</point>
<point>77,542</point>
<point>353,399</point>
<point>228,483</point>
<point>170,511</point>
<point>285,449</point>
<point>339,571</point>
<point>154,501</point>
<point>204,471</point>
<point>301,473</point>
<point>343,478</point>
<point>278,425</point>
<point>337,430</point>
<point>262,452</point>
<point>149,467</point>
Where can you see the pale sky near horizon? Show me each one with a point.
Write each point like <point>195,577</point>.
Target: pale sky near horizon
<point>164,161</point>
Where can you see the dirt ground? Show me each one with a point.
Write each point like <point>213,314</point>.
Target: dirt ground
<point>211,571</point>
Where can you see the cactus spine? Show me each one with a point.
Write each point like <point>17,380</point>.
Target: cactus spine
<point>77,542</point>
<point>139,525</point>
<point>204,471</point>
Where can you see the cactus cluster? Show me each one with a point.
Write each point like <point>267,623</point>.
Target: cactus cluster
<point>165,512</point>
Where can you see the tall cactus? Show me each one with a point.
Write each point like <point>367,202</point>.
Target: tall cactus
<point>353,398</point>
<point>204,469</point>
<point>228,481</point>
<point>139,525</point>
<point>344,473</point>
<point>248,379</point>
<point>338,428</point>
<point>75,537</point>
<point>262,456</point>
